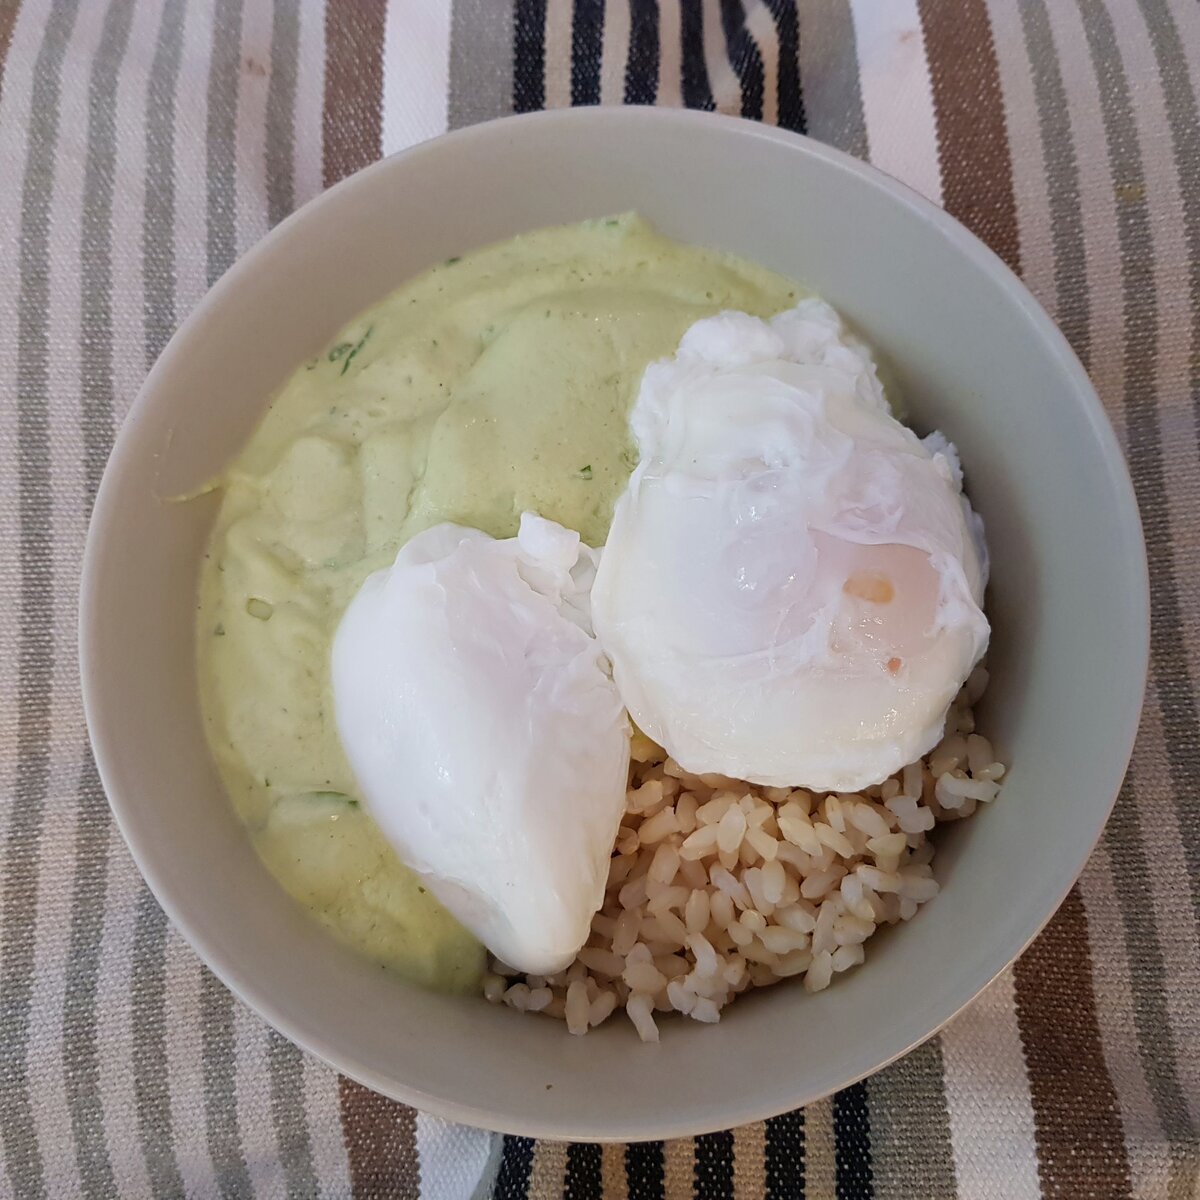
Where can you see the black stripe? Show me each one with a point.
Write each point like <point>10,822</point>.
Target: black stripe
<point>529,55</point>
<point>584,1180</point>
<point>642,66</point>
<point>785,1156</point>
<point>516,1163</point>
<point>743,57</point>
<point>694,82</point>
<point>852,1142</point>
<point>587,47</point>
<point>790,95</point>
<point>713,1170</point>
<point>644,1170</point>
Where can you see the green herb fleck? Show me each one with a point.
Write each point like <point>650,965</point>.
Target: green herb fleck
<point>612,221</point>
<point>330,798</point>
<point>219,631</point>
<point>585,472</point>
<point>362,341</point>
<point>340,351</point>
<point>451,261</point>
<point>420,889</point>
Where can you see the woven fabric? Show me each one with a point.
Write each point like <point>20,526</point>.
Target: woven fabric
<point>145,144</point>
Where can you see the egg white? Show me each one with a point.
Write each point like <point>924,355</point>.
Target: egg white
<point>481,721</point>
<point>791,591</point>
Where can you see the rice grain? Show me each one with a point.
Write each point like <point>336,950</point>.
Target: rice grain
<point>717,886</point>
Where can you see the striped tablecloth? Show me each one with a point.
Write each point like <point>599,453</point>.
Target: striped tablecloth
<point>144,144</point>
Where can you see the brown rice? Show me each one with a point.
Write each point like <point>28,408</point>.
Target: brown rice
<point>717,886</point>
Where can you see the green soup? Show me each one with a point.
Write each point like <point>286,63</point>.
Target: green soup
<point>492,384</point>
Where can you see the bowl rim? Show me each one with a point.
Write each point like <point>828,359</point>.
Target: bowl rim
<point>962,240</point>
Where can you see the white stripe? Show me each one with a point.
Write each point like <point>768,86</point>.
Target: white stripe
<point>761,26</point>
<point>896,93</point>
<point>185,1066</point>
<point>191,160</point>
<point>1115,1006</point>
<point>988,1100</point>
<point>670,54</point>
<point>452,1158</point>
<point>725,85</point>
<point>322,1109</point>
<point>250,145</point>
<point>310,103</point>
<point>115,1020</point>
<point>558,55</point>
<point>416,72</point>
<point>615,52</point>
<point>255,1123</point>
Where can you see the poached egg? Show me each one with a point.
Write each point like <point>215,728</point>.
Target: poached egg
<point>791,589</point>
<point>481,721</point>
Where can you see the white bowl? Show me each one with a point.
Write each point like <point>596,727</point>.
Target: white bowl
<point>975,356</point>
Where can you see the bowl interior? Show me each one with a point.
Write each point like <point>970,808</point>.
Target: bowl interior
<point>975,357</point>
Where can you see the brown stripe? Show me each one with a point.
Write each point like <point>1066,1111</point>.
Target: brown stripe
<point>612,1172</point>
<point>820,1158</point>
<point>679,1168</point>
<point>8,18</point>
<point>381,1144</point>
<point>353,122</point>
<point>973,153</point>
<point>547,1177</point>
<point>750,1161</point>
<point>1080,1140</point>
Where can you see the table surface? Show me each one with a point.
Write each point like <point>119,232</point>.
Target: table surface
<point>145,144</point>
